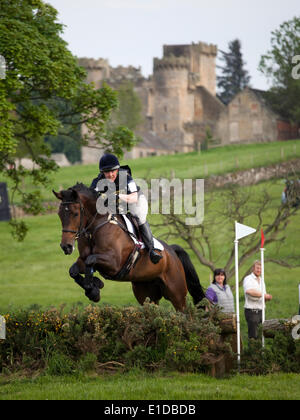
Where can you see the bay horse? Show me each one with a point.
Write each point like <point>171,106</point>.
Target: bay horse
<point>105,245</point>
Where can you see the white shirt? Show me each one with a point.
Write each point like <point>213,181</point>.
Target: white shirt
<point>254,283</point>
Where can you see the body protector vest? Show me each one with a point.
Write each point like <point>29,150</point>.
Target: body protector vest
<point>225,297</point>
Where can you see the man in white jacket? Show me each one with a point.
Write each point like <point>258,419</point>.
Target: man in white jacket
<point>254,299</point>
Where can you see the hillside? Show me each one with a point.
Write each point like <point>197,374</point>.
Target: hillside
<point>36,271</point>
<point>215,161</point>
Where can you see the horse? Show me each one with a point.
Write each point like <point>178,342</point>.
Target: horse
<point>105,245</point>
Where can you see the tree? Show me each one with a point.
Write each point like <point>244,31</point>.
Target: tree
<point>234,77</point>
<point>129,111</point>
<point>40,73</point>
<point>212,242</point>
<point>278,64</point>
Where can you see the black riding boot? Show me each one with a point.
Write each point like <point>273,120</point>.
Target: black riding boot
<point>147,237</point>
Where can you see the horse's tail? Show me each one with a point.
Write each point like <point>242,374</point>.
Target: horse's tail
<point>193,283</point>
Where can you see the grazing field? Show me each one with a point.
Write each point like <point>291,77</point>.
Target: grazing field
<point>190,166</point>
<point>35,272</point>
<point>137,385</point>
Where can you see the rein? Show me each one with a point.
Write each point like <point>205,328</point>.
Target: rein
<point>132,258</point>
<point>81,231</point>
<point>84,231</point>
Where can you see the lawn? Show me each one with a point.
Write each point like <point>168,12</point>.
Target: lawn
<point>183,166</point>
<point>35,272</point>
<point>138,385</point>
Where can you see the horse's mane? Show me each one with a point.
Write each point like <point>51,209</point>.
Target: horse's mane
<point>81,188</point>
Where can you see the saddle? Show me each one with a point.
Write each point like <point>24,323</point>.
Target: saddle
<point>134,232</point>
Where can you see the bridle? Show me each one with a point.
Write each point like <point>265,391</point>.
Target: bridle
<point>134,254</point>
<point>85,231</point>
<point>81,230</point>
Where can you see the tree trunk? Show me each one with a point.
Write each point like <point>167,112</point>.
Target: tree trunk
<point>272,326</point>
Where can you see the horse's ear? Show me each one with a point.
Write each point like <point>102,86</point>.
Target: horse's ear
<point>58,195</point>
<point>74,195</point>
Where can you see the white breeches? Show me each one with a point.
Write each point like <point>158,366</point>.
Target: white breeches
<point>139,209</point>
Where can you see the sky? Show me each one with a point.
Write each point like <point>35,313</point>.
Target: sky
<point>133,32</point>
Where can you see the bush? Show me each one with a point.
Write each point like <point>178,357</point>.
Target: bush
<point>281,354</point>
<point>149,337</point>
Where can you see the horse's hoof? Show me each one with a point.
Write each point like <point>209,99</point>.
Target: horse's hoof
<point>93,294</point>
<point>98,283</point>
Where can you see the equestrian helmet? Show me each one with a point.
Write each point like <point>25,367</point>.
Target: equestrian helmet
<point>109,162</point>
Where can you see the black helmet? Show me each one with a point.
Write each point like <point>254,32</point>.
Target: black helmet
<point>109,162</point>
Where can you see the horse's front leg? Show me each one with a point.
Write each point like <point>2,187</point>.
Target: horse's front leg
<point>91,285</point>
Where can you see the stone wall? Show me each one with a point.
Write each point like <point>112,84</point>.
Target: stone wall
<point>254,175</point>
<point>247,119</point>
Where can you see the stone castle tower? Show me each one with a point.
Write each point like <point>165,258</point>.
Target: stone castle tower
<point>175,102</point>
<point>179,99</point>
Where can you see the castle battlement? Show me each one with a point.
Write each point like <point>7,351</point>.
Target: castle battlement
<point>93,64</point>
<point>171,62</point>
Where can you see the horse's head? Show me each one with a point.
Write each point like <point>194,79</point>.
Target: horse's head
<point>71,216</point>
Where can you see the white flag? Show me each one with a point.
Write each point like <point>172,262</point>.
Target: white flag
<point>242,230</point>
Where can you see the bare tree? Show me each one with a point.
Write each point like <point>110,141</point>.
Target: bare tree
<point>212,242</point>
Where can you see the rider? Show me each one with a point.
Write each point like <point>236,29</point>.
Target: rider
<point>111,170</point>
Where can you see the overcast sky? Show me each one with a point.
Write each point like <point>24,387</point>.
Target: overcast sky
<point>132,32</point>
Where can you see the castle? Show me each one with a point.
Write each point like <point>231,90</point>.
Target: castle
<point>179,104</point>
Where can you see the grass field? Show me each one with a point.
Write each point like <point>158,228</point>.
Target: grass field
<point>35,272</point>
<point>137,385</point>
<point>190,166</point>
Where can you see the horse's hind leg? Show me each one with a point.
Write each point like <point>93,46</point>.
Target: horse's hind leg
<point>175,286</point>
<point>151,290</point>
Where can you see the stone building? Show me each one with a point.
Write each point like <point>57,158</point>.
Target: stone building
<point>249,119</point>
<point>178,101</point>
<point>179,105</point>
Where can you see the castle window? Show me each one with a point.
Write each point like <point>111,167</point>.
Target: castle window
<point>165,127</point>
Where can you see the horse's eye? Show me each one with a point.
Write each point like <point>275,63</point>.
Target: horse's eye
<point>76,214</point>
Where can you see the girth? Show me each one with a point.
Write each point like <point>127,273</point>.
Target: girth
<point>133,256</point>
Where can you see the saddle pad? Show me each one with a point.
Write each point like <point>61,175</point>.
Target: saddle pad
<point>157,244</point>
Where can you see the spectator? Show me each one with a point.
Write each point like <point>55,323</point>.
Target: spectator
<point>219,292</point>
<point>254,300</point>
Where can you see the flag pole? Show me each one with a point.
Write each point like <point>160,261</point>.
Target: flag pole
<point>299,298</point>
<point>262,250</point>
<point>238,325</point>
<point>241,231</point>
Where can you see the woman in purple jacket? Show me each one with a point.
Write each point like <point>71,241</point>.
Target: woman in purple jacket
<point>219,292</point>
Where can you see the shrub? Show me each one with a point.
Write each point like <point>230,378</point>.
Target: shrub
<point>148,337</point>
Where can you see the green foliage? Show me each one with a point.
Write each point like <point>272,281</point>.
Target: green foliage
<point>147,337</point>
<point>234,77</point>
<point>129,111</point>
<point>281,354</point>
<point>43,91</point>
<point>277,65</point>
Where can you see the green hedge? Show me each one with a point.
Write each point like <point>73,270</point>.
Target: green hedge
<point>149,337</point>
